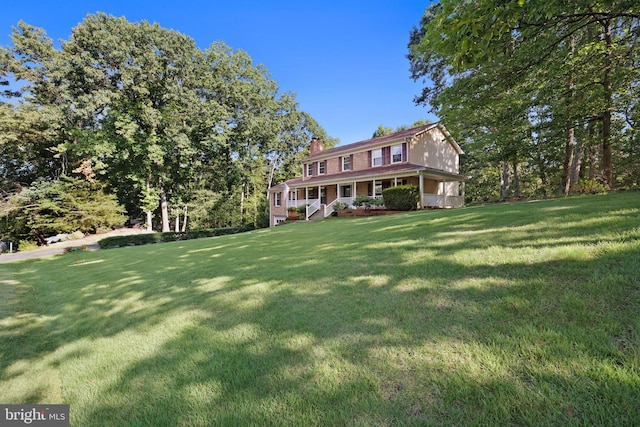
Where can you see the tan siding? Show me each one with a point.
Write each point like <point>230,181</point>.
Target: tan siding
<point>333,166</point>
<point>360,161</point>
<point>433,151</point>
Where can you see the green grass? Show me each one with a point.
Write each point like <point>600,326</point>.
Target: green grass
<point>512,314</point>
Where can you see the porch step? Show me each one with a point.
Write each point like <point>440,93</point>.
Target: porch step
<point>319,214</point>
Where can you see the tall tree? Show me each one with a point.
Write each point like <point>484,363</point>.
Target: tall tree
<point>557,65</point>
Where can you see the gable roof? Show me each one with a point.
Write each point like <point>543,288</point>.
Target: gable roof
<point>399,136</point>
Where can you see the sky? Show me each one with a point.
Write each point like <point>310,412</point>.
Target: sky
<point>345,60</point>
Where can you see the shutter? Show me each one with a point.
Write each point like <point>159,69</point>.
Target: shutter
<point>351,162</point>
<point>404,152</point>
<point>316,169</point>
<point>386,155</point>
<point>369,157</point>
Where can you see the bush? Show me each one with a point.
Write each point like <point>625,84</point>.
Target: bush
<point>63,206</point>
<point>338,206</point>
<point>401,198</point>
<point>171,236</point>
<point>591,186</point>
<point>367,201</point>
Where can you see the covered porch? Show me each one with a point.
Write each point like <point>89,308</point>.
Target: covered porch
<point>436,191</point>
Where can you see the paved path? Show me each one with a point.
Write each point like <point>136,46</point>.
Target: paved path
<point>90,242</point>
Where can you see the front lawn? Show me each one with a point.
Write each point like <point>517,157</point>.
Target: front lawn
<point>511,314</point>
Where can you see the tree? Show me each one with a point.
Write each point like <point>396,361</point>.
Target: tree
<point>60,206</point>
<point>162,123</point>
<point>525,75</point>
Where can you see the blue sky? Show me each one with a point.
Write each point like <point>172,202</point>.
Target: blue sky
<point>345,60</point>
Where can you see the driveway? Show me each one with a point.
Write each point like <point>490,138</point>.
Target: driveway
<point>90,242</point>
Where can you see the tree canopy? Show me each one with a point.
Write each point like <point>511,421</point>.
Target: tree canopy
<point>545,91</point>
<point>168,127</point>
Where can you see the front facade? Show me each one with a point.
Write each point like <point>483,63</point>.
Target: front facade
<point>426,156</point>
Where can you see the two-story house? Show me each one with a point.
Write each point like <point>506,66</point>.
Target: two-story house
<point>426,156</point>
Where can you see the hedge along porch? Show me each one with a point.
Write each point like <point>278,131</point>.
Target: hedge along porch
<point>426,156</point>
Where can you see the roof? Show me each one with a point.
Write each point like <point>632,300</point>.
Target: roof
<point>402,135</point>
<point>372,173</point>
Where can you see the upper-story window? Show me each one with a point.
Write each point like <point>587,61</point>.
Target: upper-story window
<point>309,169</point>
<point>322,166</point>
<point>376,157</point>
<point>396,153</point>
<point>346,163</point>
<point>277,199</point>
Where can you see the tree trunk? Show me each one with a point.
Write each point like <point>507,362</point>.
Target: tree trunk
<point>177,224</point>
<point>149,211</point>
<point>164,211</point>
<point>184,219</point>
<point>605,163</point>
<point>570,135</point>
<point>504,182</point>
<point>569,153</point>
<point>576,166</point>
<point>516,181</point>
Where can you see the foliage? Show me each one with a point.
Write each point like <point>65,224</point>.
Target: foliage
<point>591,186</point>
<point>367,201</point>
<point>401,197</point>
<point>338,206</point>
<point>546,92</point>
<point>147,238</point>
<point>506,314</point>
<point>67,205</point>
<point>177,132</point>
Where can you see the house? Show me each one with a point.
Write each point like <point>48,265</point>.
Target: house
<point>425,156</point>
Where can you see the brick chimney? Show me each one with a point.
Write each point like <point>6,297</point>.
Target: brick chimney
<point>316,146</point>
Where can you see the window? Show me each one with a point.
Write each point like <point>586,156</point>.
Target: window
<point>396,154</point>
<point>321,167</point>
<point>309,169</point>
<point>346,163</point>
<point>345,191</point>
<point>376,157</point>
<point>277,199</point>
<point>378,190</point>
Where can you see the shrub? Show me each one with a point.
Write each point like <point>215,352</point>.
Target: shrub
<point>171,236</point>
<point>591,186</point>
<point>367,201</point>
<point>401,198</point>
<point>338,206</point>
<point>62,206</point>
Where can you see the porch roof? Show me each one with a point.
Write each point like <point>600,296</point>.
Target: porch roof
<point>390,171</point>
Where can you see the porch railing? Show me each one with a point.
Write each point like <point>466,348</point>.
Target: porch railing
<point>313,207</point>
<point>442,201</point>
<point>296,203</point>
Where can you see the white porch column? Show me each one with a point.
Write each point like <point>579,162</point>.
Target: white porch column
<point>395,181</point>
<point>319,192</point>
<point>373,189</point>
<point>444,190</point>
<point>306,195</point>
<point>421,191</point>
